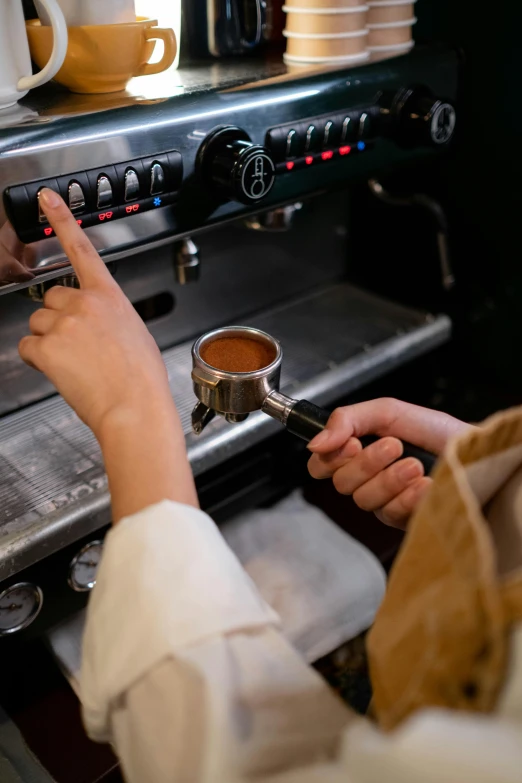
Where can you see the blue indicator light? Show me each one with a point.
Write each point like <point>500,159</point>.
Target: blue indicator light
<point>361,146</point>
<point>157,201</point>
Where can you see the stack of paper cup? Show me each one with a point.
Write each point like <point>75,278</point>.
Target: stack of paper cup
<point>326,31</point>
<point>390,25</point>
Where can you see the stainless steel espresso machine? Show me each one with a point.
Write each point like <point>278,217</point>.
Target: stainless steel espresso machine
<point>222,198</point>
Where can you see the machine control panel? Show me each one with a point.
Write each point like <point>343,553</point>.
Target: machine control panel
<point>321,139</point>
<point>307,140</point>
<point>98,196</point>
<point>233,165</point>
<point>410,117</point>
<point>229,151</point>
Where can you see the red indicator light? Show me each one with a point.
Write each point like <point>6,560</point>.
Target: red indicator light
<point>328,155</point>
<point>132,208</point>
<point>48,232</point>
<point>105,216</point>
<point>79,222</point>
<point>309,160</point>
<point>345,150</point>
<point>109,215</point>
<point>290,165</point>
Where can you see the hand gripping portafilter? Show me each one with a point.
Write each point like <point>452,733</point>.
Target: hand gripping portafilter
<point>236,394</point>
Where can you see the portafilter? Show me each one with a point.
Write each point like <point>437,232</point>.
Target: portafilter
<point>234,395</point>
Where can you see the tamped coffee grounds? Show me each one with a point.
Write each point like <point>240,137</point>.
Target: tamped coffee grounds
<point>237,354</point>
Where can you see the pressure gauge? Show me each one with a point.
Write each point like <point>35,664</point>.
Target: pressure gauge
<point>83,568</point>
<point>20,604</point>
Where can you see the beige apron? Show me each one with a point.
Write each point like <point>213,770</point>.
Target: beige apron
<point>442,634</point>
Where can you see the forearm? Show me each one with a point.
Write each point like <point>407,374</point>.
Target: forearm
<point>145,459</point>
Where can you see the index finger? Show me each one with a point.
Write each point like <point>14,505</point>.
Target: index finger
<point>89,267</point>
<point>426,428</point>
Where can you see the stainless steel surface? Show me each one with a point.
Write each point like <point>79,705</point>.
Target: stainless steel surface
<point>201,416</point>
<point>37,292</point>
<point>327,131</point>
<point>281,219</point>
<point>104,192</point>
<point>157,180</point>
<point>278,406</point>
<point>42,217</point>
<point>233,393</point>
<point>132,185</point>
<point>55,133</point>
<point>363,123</point>
<point>236,418</point>
<point>187,262</point>
<point>76,197</point>
<point>237,274</point>
<point>53,488</point>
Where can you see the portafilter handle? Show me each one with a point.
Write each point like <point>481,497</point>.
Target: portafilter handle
<point>306,420</point>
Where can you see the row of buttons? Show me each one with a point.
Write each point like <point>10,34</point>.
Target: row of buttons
<point>309,136</point>
<point>325,156</point>
<point>98,196</point>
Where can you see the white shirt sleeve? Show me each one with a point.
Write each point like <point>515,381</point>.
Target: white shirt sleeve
<point>186,672</point>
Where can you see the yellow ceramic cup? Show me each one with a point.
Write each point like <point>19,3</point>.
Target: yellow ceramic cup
<point>104,58</point>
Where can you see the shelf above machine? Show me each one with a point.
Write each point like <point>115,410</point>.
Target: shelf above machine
<point>53,489</point>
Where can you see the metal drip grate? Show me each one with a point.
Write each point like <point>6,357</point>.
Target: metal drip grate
<point>53,487</point>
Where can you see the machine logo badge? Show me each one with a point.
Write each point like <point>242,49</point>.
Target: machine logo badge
<point>258,176</point>
<point>443,123</point>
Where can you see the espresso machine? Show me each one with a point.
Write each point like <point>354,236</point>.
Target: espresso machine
<point>225,199</point>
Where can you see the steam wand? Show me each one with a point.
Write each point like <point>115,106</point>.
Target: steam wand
<point>437,213</point>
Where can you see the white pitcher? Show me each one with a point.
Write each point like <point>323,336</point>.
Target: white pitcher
<point>91,12</point>
<point>16,77</point>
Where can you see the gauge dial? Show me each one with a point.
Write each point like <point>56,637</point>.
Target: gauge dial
<point>20,604</point>
<point>83,568</point>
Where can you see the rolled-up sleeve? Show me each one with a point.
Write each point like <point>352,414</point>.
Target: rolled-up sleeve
<point>167,581</point>
<point>186,673</point>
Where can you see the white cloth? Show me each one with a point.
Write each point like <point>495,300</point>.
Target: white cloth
<point>186,672</point>
<point>325,586</point>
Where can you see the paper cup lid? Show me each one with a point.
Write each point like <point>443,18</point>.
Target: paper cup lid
<point>315,36</point>
<point>343,58</point>
<point>390,25</point>
<point>325,11</point>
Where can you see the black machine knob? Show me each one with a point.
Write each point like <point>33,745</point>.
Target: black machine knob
<point>416,117</point>
<point>235,167</point>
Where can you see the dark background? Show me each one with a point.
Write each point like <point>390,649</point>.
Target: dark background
<point>478,185</point>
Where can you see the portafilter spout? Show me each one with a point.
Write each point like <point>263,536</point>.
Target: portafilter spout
<point>233,394</point>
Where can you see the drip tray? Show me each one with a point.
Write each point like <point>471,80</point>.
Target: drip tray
<point>53,489</point>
